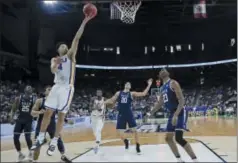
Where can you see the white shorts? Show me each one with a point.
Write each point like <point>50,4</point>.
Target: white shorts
<point>60,98</point>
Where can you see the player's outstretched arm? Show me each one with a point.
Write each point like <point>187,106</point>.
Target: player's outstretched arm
<point>145,92</point>
<point>74,46</point>
<point>157,106</point>
<point>36,108</point>
<point>112,100</point>
<point>179,94</point>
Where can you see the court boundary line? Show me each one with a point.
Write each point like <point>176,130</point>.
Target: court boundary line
<point>200,141</point>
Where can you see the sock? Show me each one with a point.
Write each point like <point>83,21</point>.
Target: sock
<point>54,141</point>
<point>41,136</point>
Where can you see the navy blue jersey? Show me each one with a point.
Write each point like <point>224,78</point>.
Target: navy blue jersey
<point>124,102</point>
<point>25,106</point>
<point>41,115</point>
<point>169,98</point>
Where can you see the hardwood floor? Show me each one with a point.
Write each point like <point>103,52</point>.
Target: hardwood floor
<point>210,126</point>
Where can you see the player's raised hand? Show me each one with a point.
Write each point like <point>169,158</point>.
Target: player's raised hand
<point>150,81</point>
<point>88,17</point>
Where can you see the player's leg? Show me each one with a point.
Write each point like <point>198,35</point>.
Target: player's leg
<point>51,105</point>
<point>27,132</point>
<point>121,127</point>
<point>181,123</point>
<point>187,147</point>
<point>37,151</point>
<point>94,125</point>
<point>60,144</point>
<point>98,125</point>
<point>16,138</point>
<point>132,125</point>
<point>65,96</point>
<point>169,138</point>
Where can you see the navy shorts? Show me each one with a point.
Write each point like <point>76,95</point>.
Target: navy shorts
<point>122,122</point>
<point>181,122</point>
<point>22,125</point>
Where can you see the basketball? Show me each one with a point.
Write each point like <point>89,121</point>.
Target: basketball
<point>90,9</point>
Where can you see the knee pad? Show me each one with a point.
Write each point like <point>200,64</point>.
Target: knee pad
<point>179,138</point>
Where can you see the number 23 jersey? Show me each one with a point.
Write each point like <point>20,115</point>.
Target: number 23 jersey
<point>169,97</point>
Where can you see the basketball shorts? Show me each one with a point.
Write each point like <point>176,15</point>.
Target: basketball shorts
<point>122,122</point>
<point>50,129</point>
<point>21,126</point>
<point>181,122</point>
<point>60,98</point>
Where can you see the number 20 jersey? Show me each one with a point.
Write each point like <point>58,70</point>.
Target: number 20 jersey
<point>124,103</point>
<point>169,97</point>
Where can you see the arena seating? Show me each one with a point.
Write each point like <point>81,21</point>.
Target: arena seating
<point>219,97</point>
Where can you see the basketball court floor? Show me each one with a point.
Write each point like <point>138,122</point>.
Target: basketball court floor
<point>213,140</point>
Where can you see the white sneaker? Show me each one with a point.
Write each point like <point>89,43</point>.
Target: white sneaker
<point>195,160</point>
<point>180,160</point>
<point>51,150</point>
<point>21,157</point>
<point>96,149</point>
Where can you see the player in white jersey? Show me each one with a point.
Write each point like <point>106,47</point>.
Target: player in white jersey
<point>61,94</point>
<point>97,107</point>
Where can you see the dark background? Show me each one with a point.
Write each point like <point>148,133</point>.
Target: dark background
<point>30,29</point>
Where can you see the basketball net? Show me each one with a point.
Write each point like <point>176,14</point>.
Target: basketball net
<point>125,10</point>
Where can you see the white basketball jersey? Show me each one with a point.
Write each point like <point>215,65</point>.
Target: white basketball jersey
<point>66,71</point>
<point>102,106</point>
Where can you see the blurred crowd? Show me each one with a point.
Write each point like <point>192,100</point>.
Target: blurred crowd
<point>222,97</point>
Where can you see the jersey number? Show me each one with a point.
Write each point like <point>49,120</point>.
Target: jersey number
<point>165,98</point>
<point>60,66</point>
<point>25,109</point>
<point>124,100</point>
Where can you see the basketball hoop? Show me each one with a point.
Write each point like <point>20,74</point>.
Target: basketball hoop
<point>125,10</point>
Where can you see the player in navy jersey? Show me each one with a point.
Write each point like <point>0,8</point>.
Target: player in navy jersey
<point>125,115</point>
<point>172,98</point>
<point>23,104</point>
<point>38,111</point>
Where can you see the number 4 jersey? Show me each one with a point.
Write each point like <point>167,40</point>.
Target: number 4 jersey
<point>66,72</point>
<point>169,97</point>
